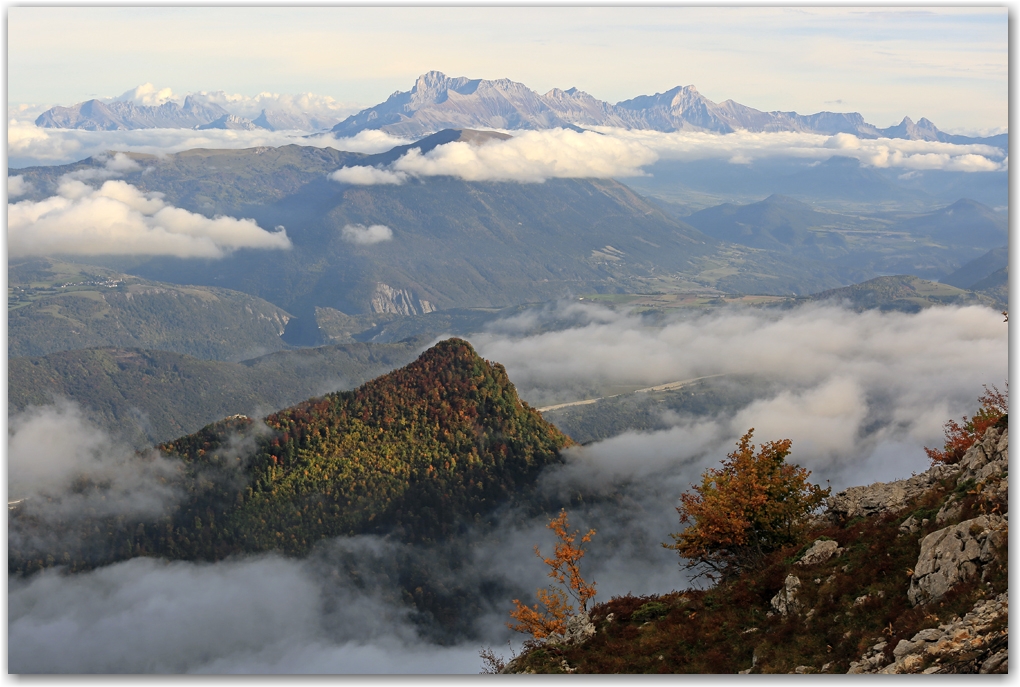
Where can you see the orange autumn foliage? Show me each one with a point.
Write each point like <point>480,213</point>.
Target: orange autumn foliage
<point>959,438</point>
<point>549,616</point>
<point>750,507</point>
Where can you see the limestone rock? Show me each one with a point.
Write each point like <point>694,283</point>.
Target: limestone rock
<point>821,551</point>
<point>988,457</point>
<point>912,525</point>
<point>883,497</point>
<point>579,629</point>
<point>977,643</point>
<point>785,601</point>
<point>954,554</point>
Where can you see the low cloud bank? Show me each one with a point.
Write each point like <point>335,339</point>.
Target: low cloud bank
<point>529,156</point>
<point>360,235</point>
<point>534,156</point>
<point>845,384</point>
<point>742,147</point>
<point>263,614</point>
<point>61,464</point>
<point>28,144</point>
<point>119,219</point>
<point>858,393</point>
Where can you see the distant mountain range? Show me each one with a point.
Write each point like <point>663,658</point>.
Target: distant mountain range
<point>198,111</point>
<point>438,102</point>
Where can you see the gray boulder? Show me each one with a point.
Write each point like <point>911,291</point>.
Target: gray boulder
<point>883,497</point>
<point>579,629</point>
<point>821,551</point>
<point>954,554</point>
<point>785,601</point>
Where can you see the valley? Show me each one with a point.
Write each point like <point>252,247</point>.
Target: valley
<point>363,355</point>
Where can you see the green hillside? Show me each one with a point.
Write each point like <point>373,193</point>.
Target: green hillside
<point>415,452</point>
<point>55,306</point>
<point>903,292</point>
<point>454,243</point>
<point>160,395</point>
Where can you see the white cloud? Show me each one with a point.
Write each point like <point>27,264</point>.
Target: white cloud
<point>303,107</point>
<point>741,146</point>
<point>841,384</point>
<point>112,167</point>
<point>264,614</point>
<point>28,144</point>
<point>360,235</point>
<point>119,219</point>
<point>858,393</point>
<point>530,156</point>
<point>53,447</point>
<point>367,176</point>
<point>17,186</point>
<point>147,95</point>
<point>533,156</point>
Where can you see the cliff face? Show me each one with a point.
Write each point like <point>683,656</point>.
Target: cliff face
<point>901,577</point>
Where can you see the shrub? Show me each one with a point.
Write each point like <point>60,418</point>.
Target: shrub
<point>959,438</point>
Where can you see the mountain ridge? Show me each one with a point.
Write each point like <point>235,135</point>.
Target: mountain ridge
<point>436,101</point>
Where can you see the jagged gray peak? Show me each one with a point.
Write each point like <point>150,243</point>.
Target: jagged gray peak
<point>233,122</point>
<point>437,102</point>
<point>95,115</point>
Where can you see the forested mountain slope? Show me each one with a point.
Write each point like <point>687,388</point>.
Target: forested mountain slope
<point>415,452</point>
<point>57,306</point>
<point>160,395</point>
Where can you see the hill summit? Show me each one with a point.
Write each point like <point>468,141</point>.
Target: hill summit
<point>413,453</point>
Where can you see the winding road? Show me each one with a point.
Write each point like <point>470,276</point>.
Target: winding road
<point>670,386</point>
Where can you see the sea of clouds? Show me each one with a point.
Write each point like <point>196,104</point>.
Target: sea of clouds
<point>859,394</point>
<point>528,157</point>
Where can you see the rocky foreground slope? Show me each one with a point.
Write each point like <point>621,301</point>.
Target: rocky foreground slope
<point>901,577</point>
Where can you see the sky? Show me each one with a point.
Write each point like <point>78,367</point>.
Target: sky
<point>947,64</point>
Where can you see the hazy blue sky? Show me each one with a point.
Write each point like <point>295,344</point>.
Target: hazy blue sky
<point>947,64</point>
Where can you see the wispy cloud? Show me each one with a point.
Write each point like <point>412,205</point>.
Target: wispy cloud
<point>841,384</point>
<point>367,176</point>
<point>17,186</point>
<point>360,235</point>
<point>858,393</point>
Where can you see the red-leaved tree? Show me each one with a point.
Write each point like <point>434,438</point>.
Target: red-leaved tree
<point>959,438</point>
